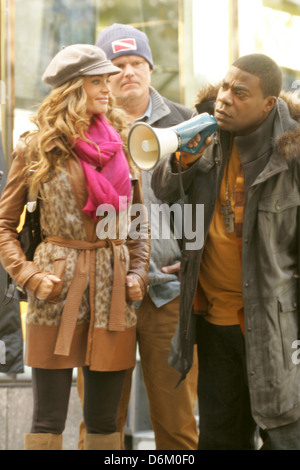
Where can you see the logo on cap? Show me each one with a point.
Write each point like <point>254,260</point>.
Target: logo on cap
<point>124,45</point>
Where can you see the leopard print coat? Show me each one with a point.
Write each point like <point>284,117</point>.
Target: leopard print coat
<point>92,343</point>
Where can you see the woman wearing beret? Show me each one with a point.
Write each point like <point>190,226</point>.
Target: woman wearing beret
<point>81,284</point>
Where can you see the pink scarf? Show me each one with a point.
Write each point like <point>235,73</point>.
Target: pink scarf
<point>107,175</point>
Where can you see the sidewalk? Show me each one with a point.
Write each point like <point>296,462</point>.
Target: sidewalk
<point>16,414</point>
<point>16,410</point>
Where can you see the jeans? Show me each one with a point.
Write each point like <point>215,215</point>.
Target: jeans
<point>224,403</point>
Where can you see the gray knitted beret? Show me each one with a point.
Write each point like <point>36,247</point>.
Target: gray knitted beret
<point>76,60</point>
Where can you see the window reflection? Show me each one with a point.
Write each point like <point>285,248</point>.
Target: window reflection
<point>42,27</point>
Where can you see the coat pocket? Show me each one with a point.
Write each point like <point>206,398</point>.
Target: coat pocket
<point>288,322</point>
<point>277,215</point>
<point>59,271</point>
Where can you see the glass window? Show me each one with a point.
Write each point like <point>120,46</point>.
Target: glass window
<point>211,37</point>
<point>265,27</point>
<point>191,45</point>
<point>159,20</point>
<point>43,27</point>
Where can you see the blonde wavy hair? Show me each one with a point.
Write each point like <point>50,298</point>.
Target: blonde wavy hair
<point>60,120</point>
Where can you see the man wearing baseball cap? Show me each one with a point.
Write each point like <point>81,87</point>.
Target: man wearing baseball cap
<point>171,408</point>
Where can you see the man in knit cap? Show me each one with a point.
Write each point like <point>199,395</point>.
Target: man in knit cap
<point>171,409</point>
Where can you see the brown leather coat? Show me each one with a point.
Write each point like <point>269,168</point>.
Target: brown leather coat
<point>86,320</point>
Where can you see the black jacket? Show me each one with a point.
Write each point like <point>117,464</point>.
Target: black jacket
<point>271,162</point>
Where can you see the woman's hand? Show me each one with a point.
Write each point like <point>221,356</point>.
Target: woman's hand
<point>46,286</point>
<point>134,291</point>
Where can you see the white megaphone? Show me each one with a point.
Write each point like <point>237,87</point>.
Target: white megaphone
<point>146,144</point>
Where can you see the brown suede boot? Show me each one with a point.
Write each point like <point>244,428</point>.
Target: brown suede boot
<point>102,441</point>
<point>43,441</point>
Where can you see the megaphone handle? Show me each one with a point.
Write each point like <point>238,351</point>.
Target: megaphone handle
<point>186,159</point>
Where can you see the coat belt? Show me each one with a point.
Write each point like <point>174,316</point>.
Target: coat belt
<point>85,261</point>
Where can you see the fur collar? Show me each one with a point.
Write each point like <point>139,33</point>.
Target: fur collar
<point>288,105</point>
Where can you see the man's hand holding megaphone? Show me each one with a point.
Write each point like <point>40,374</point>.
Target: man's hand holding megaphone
<point>188,158</point>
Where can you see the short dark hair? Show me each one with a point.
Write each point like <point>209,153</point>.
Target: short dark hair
<point>266,69</point>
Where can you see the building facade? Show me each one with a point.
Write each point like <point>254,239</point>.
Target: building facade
<point>193,43</point>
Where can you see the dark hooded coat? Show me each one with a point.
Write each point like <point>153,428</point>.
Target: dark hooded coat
<point>270,157</point>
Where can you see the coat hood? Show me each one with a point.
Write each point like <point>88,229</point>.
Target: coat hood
<point>288,109</point>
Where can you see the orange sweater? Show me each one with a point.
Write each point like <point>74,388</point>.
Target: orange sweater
<point>221,274</point>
